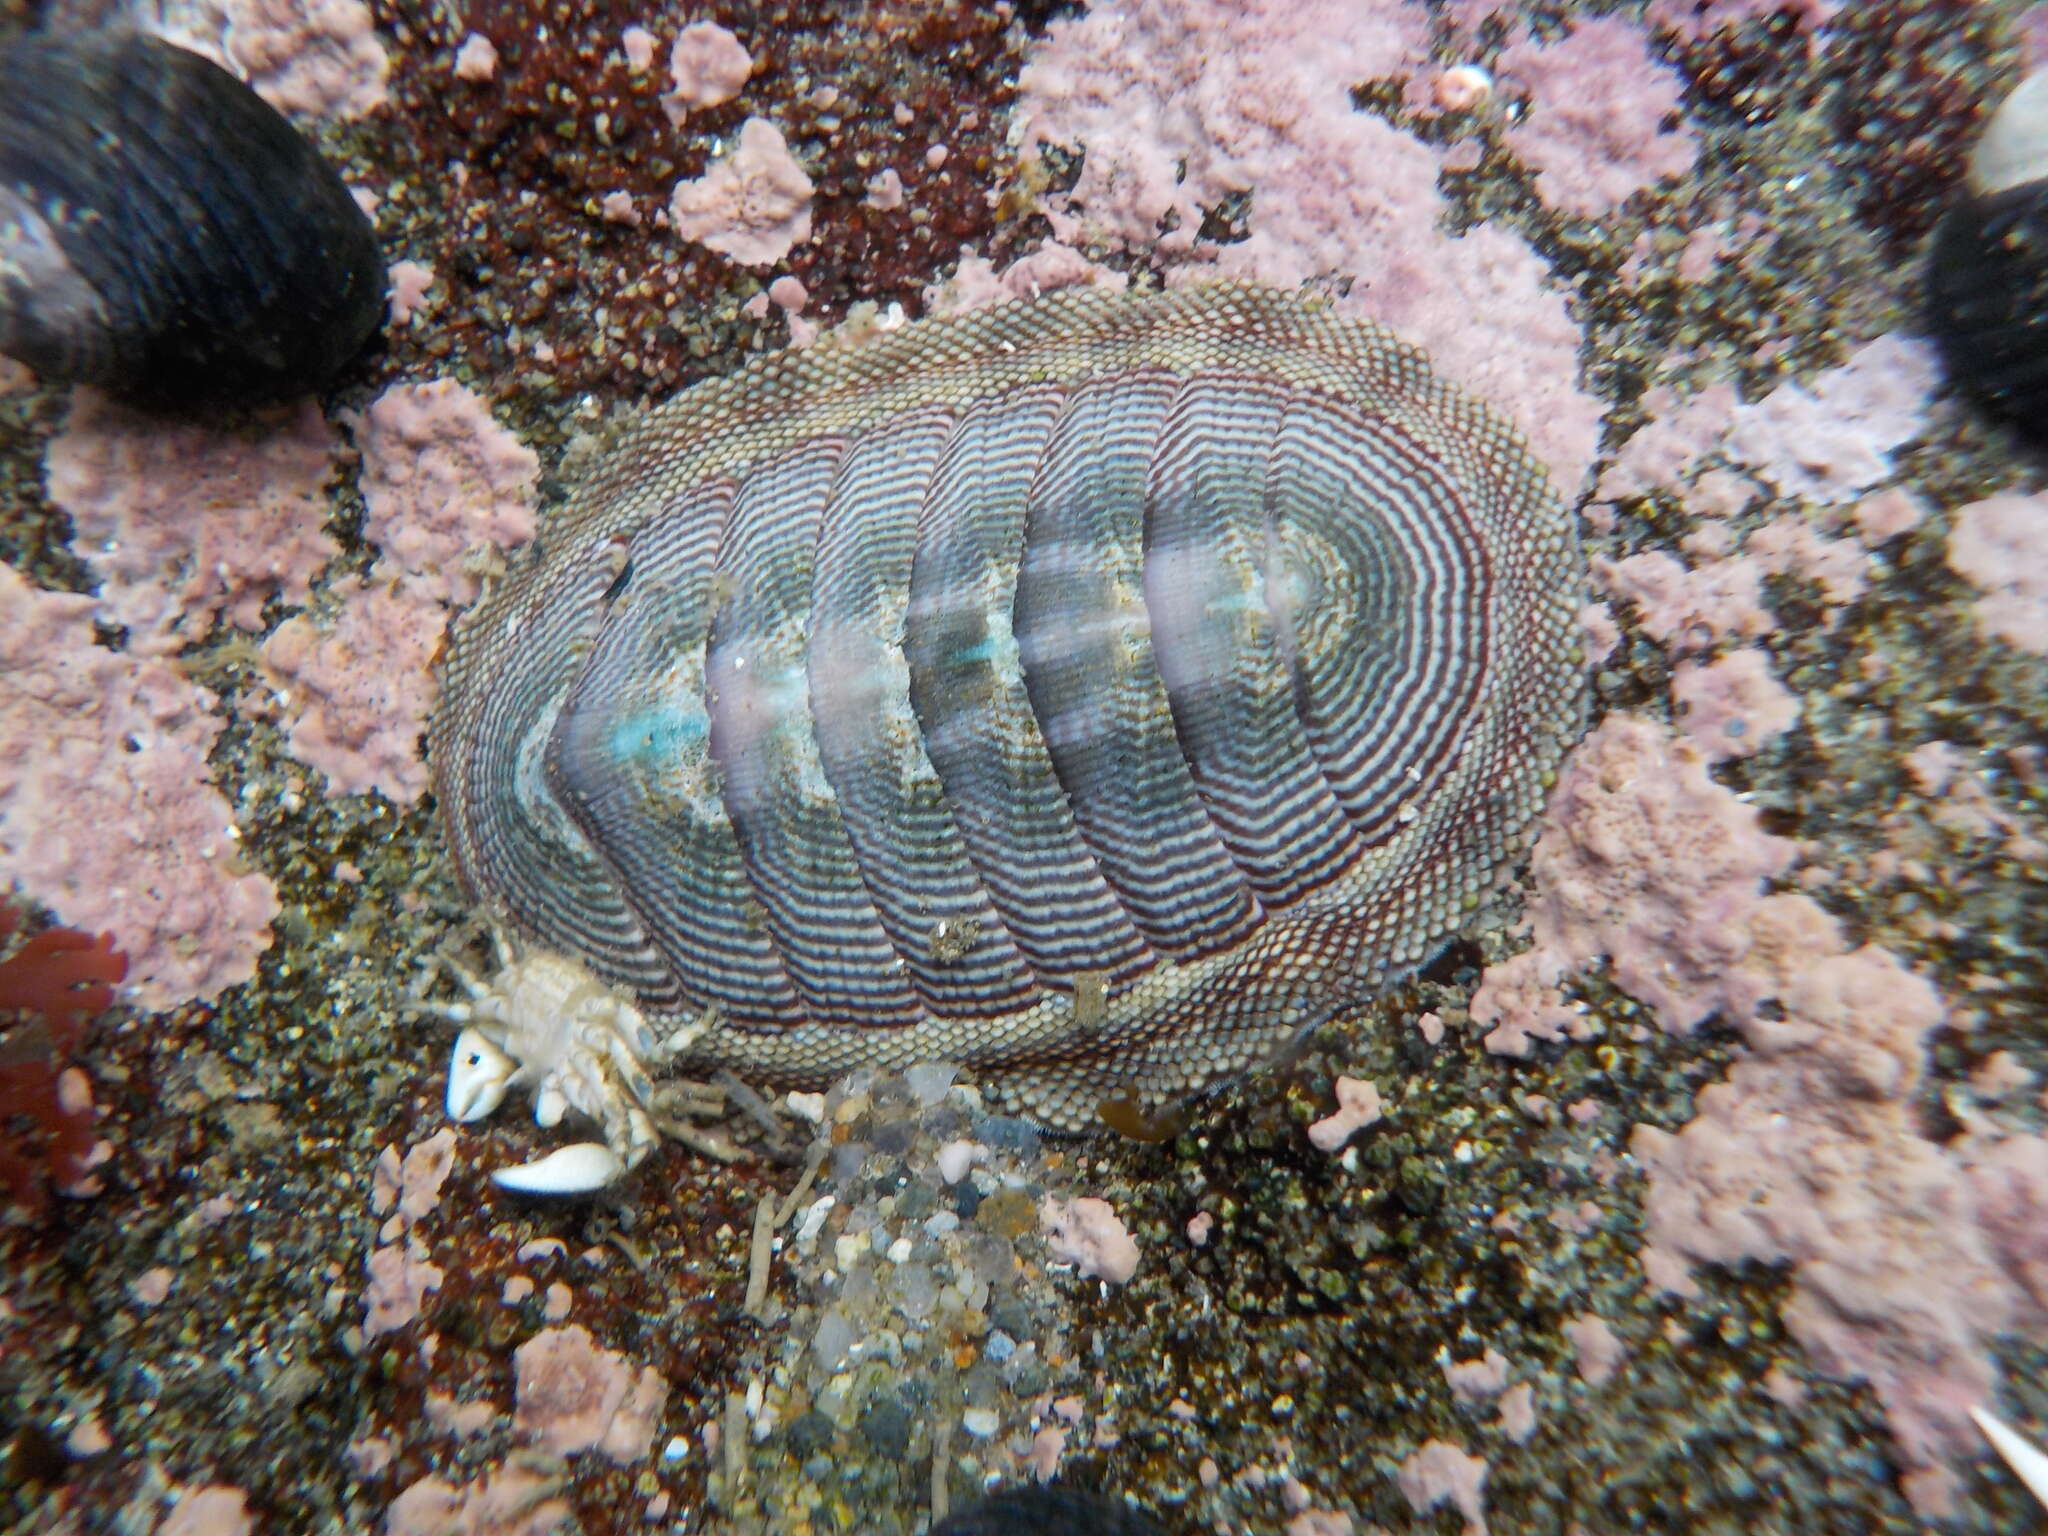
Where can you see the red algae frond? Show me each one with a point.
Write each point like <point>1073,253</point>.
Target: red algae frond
<point>49,987</point>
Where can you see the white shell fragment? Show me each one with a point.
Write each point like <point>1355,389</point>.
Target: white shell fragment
<point>2027,1463</point>
<point>2014,149</point>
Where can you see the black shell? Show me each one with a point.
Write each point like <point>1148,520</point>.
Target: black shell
<point>1987,270</point>
<point>165,234</point>
<point>1094,692</point>
<point>1036,1510</point>
<point>1987,296</point>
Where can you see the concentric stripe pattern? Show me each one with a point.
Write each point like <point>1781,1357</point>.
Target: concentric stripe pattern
<point>1094,692</point>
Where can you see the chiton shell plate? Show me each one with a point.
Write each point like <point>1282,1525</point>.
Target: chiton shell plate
<point>1094,692</point>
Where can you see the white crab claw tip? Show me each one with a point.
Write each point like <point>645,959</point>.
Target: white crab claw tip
<point>478,1076</point>
<point>2027,1463</point>
<point>572,1170</point>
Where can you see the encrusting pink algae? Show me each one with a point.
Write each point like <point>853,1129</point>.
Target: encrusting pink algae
<point>1701,1184</point>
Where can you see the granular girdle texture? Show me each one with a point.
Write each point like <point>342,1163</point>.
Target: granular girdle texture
<point>1093,692</point>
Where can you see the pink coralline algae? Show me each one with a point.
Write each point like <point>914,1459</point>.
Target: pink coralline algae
<point>1595,129</point>
<point>410,1187</point>
<point>1518,1413</point>
<point>1887,515</point>
<point>1142,81</point>
<point>1599,1352</point>
<point>357,689</point>
<point>1932,765</point>
<point>1603,635</point>
<point>1646,860</point>
<point>1788,546</point>
<point>2001,546</point>
<point>446,488</point>
<point>707,67</point>
<point>1320,1522</point>
<point>1358,1106</point>
<point>464,1420</point>
<point>1909,1258</point>
<point>410,281</point>
<point>1680,433</point>
<point>307,58</point>
<point>1832,439</point>
<point>187,525</point>
<point>401,1272</point>
<point>107,815</point>
<point>476,59</point>
<point>214,1510</point>
<point>575,1397</point>
<point>1518,1003</point>
<point>885,191</point>
<point>509,1499</point>
<point>753,205</point>
<point>1690,607</point>
<point>1477,1381</point>
<point>637,43</point>
<point>1182,104</point>
<point>1734,706</point>
<point>1441,1473</point>
<point>1087,1234</point>
<point>975,284</point>
<point>2009,1184</point>
<point>1829,440</point>
<point>442,484</point>
<point>401,1278</point>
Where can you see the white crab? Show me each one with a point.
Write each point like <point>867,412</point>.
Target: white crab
<point>543,1022</point>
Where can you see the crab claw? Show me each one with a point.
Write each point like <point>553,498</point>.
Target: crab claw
<point>2027,1463</point>
<point>479,1076</point>
<point>572,1170</point>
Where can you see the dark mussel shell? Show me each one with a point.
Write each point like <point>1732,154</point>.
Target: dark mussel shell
<point>1987,271</point>
<point>1045,1509</point>
<point>1987,294</point>
<point>165,234</point>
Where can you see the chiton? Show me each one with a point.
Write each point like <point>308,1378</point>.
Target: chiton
<point>1093,692</point>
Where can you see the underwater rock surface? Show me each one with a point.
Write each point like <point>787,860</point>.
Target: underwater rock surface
<point>300,1301</point>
